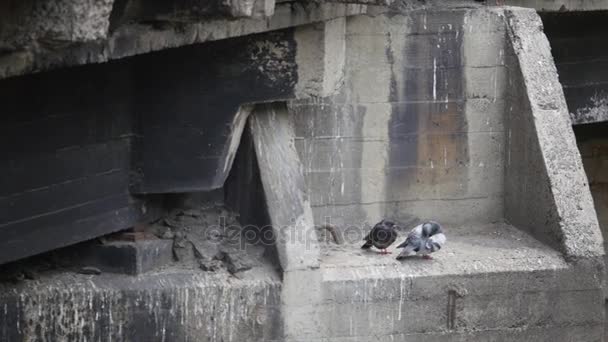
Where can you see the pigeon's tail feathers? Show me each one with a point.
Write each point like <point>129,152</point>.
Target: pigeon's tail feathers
<point>367,244</point>
<point>409,250</point>
<point>413,238</point>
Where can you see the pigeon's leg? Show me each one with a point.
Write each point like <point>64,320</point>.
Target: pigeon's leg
<point>427,257</point>
<point>384,251</point>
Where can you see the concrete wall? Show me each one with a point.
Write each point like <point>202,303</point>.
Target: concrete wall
<point>417,130</point>
<point>581,56</point>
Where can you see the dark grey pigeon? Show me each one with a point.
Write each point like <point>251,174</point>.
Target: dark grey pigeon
<point>381,236</point>
<point>423,240</point>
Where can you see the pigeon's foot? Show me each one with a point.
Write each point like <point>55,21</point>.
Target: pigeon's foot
<point>384,251</point>
<point>427,257</point>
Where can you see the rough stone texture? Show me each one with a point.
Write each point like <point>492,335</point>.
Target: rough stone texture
<point>557,197</point>
<point>52,24</point>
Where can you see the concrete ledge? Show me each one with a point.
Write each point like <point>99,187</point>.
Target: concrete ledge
<point>173,305</point>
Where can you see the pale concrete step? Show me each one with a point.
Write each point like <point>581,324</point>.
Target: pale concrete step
<point>490,281</point>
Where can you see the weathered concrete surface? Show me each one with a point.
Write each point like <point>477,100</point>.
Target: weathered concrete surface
<point>553,192</point>
<point>420,111</point>
<point>172,305</point>
<point>52,24</point>
<point>494,280</point>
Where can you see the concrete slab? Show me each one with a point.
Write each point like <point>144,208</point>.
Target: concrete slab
<point>172,305</point>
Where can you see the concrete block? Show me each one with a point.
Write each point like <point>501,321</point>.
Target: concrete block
<point>132,258</point>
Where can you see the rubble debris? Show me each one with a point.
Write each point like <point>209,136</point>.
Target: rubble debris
<point>208,237</point>
<point>236,261</point>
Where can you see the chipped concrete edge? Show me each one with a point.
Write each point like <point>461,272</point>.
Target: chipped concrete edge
<point>581,235</point>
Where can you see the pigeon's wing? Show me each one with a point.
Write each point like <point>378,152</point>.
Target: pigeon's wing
<point>413,236</point>
<point>369,235</point>
<point>411,246</point>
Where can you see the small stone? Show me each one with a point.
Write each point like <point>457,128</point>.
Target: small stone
<point>183,251</point>
<point>89,270</point>
<point>236,262</point>
<point>205,249</point>
<point>167,235</point>
<point>210,265</point>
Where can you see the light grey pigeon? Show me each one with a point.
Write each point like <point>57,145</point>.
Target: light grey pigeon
<point>423,240</point>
